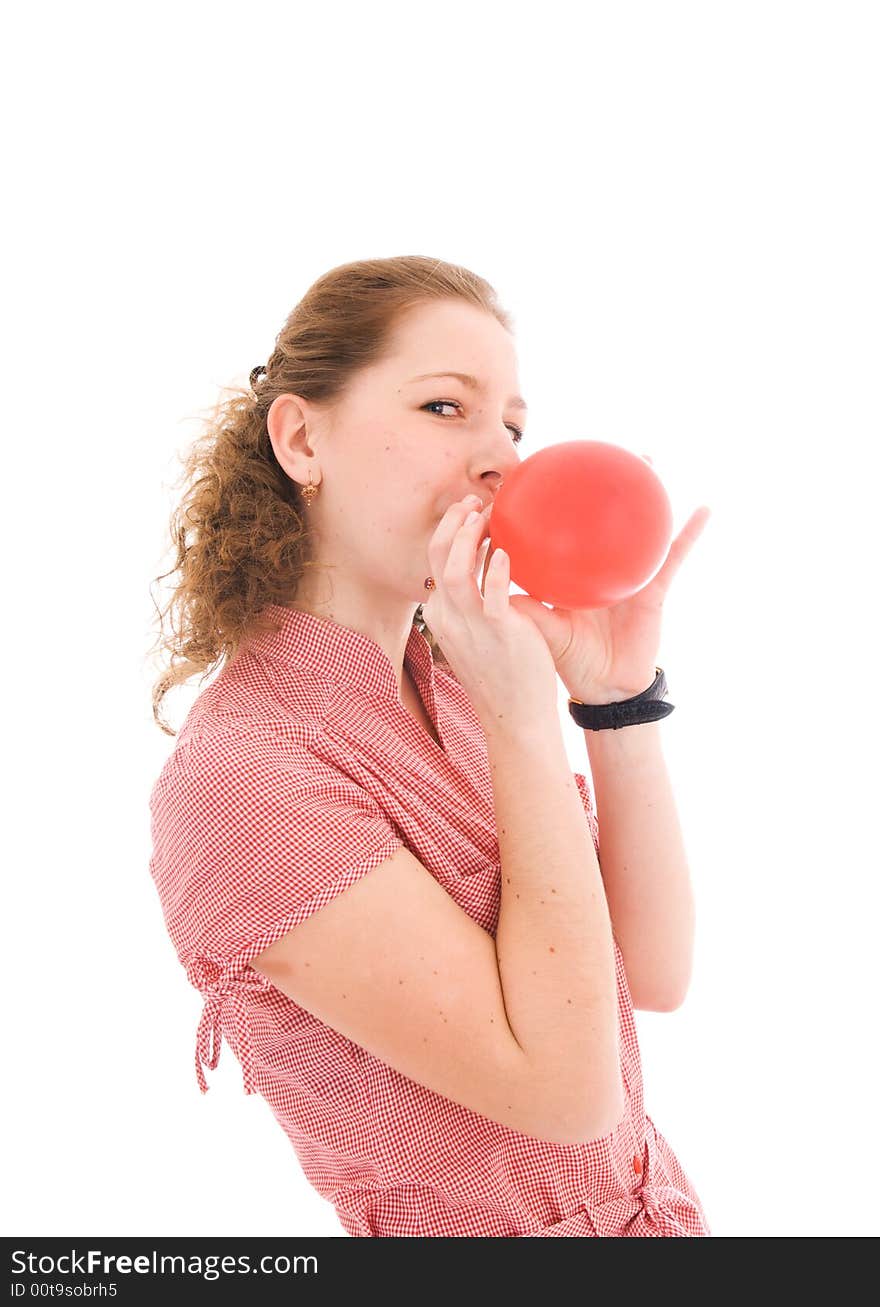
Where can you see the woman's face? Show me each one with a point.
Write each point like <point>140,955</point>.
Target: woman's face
<point>400,448</point>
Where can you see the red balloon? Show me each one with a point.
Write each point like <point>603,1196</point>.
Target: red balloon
<point>585,524</point>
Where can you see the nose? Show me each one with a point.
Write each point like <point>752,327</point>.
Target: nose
<point>492,483</point>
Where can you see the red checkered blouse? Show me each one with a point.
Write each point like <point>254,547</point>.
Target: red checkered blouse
<point>295,772</point>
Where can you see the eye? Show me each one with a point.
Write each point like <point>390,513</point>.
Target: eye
<point>518,433</point>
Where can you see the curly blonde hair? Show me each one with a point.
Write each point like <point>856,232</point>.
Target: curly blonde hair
<point>240,529</point>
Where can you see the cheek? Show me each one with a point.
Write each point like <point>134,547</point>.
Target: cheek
<point>411,481</point>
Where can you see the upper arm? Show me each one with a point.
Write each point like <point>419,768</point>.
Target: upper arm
<point>395,965</point>
<point>276,859</point>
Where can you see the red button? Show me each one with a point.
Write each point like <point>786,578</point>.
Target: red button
<point>637,1164</point>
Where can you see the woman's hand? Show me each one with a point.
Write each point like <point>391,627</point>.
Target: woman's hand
<point>604,655</point>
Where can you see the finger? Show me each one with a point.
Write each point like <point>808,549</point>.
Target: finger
<point>496,601</point>
<point>446,531</point>
<point>461,561</point>
<point>687,536</point>
<point>486,563</point>
<point>681,547</point>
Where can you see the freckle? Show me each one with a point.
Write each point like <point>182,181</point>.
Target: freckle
<point>308,964</point>
<point>552,890</point>
<point>517,896</point>
<point>541,901</point>
<point>400,982</point>
<point>435,973</point>
<point>568,1000</point>
<point>508,880</point>
<point>552,949</point>
<point>345,996</point>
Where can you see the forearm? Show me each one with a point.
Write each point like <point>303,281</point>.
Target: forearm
<point>554,942</point>
<point>643,862</point>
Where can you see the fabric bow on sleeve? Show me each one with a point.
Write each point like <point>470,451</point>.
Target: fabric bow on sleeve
<point>221,984</point>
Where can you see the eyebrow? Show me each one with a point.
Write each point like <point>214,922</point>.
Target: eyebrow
<point>515,401</point>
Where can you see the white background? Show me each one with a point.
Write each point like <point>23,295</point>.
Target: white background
<point>678,202</point>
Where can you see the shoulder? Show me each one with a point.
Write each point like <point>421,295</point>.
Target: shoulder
<point>240,780</point>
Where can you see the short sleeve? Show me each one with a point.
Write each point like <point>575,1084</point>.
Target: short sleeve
<point>245,848</point>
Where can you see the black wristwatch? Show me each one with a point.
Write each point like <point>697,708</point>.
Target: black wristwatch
<point>645,707</point>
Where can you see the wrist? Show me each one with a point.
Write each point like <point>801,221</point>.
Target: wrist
<point>595,696</point>
<point>529,732</point>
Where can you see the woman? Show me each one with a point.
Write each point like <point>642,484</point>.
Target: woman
<point>373,858</point>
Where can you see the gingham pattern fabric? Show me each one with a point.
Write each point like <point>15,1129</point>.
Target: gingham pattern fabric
<point>295,772</point>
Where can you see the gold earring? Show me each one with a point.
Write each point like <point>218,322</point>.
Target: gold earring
<point>308,492</point>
